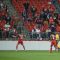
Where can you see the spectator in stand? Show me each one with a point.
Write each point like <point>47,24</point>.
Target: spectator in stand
<point>26,7</point>
<point>48,33</point>
<point>53,1</point>
<point>51,20</point>
<point>0,30</point>
<point>53,29</point>
<point>12,22</point>
<point>13,32</point>
<point>44,14</point>
<point>8,19</point>
<point>36,33</point>
<point>19,27</point>
<point>24,15</point>
<point>45,25</point>
<point>0,34</point>
<point>59,16</point>
<point>39,22</point>
<point>57,27</point>
<point>2,24</point>
<point>6,31</point>
<point>55,17</point>
<point>33,10</point>
<point>44,28</point>
<point>1,5</point>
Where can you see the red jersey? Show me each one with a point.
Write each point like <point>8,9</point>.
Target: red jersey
<point>53,42</point>
<point>20,39</point>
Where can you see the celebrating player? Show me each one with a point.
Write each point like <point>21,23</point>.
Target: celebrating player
<point>20,41</point>
<point>53,43</point>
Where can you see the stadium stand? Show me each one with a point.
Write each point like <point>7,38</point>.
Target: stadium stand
<point>24,15</point>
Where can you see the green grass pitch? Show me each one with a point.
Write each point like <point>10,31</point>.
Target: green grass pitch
<point>29,55</point>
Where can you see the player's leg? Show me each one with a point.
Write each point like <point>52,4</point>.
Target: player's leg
<point>23,45</point>
<point>51,48</point>
<point>55,45</point>
<point>17,46</point>
<point>56,48</point>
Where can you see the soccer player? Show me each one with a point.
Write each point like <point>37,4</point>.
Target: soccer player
<point>58,45</point>
<point>20,41</point>
<point>53,43</point>
<point>57,37</point>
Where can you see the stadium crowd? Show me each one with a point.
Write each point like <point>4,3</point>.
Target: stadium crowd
<point>38,17</point>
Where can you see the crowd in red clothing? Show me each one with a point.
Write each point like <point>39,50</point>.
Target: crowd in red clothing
<point>34,13</point>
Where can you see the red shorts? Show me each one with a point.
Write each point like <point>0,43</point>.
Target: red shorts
<point>54,42</point>
<point>20,41</point>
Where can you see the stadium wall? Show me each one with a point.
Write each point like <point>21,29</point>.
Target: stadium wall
<point>29,45</point>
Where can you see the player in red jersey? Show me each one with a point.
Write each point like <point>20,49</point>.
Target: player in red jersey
<point>20,41</point>
<point>53,43</point>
